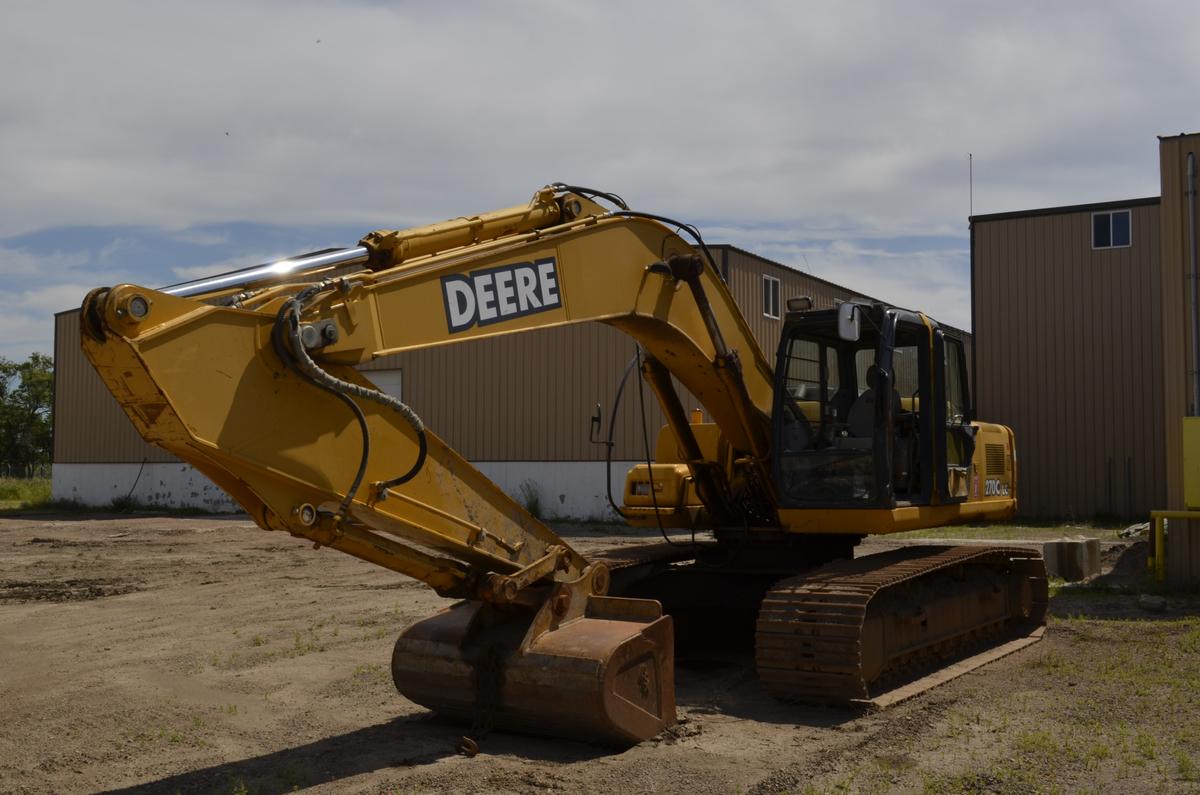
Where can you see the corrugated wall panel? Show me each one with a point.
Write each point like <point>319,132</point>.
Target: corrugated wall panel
<point>89,425</point>
<point>530,396</point>
<point>1174,298</point>
<point>1063,336</point>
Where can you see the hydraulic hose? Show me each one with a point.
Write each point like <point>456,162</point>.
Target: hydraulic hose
<point>612,424</point>
<point>290,347</point>
<point>646,449</point>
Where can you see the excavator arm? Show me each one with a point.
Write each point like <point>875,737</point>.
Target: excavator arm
<point>252,380</point>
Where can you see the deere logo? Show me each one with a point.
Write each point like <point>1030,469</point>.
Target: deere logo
<point>502,293</point>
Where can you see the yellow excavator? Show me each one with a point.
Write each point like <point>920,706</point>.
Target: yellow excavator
<point>863,425</point>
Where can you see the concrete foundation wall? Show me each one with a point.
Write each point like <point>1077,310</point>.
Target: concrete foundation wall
<point>564,489</point>
<point>175,485</point>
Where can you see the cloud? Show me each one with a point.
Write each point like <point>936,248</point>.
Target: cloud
<point>20,262</point>
<point>191,272</point>
<point>199,237</point>
<point>828,124</point>
<point>27,317</point>
<point>929,275</point>
<point>416,112</point>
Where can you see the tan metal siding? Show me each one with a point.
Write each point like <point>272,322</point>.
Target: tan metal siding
<point>89,426</point>
<point>1064,338</point>
<point>529,396</point>
<point>1173,292</point>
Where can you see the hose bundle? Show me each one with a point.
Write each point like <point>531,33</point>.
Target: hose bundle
<point>286,338</point>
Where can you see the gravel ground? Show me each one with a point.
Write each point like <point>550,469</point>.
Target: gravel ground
<point>167,654</point>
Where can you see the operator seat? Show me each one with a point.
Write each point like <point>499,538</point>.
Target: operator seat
<point>861,420</point>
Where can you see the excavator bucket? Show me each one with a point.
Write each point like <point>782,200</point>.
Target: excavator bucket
<point>603,672</point>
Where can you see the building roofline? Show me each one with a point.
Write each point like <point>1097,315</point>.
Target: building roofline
<point>1067,209</point>
<point>789,268</point>
<point>828,283</point>
<point>1179,135</point>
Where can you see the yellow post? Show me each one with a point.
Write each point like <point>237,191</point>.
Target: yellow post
<point>1154,520</point>
<point>1160,557</point>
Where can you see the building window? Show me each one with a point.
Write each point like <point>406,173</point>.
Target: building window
<point>390,382</point>
<point>1112,229</point>
<point>770,296</point>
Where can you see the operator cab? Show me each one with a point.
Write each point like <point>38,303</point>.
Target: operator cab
<point>872,409</point>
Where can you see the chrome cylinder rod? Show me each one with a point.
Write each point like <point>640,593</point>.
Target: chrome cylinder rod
<point>270,272</point>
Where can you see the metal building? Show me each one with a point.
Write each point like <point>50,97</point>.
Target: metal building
<point>1080,323</point>
<point>518,406</point>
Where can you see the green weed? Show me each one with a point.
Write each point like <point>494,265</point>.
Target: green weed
<point>27,492</point>
<point>1186,767</point>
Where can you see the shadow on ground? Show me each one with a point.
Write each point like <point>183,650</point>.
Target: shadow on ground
<point>86,514</point>
<point>401,743</point>
<point>709,685</point>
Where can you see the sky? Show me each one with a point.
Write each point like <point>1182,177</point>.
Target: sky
<point>156,142</point>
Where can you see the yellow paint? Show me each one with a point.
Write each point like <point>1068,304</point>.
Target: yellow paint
<point>204,382</point>
<point>1191,462</point>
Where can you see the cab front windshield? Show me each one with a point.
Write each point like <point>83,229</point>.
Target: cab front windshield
<point>830,422</point>
<point>824,457</point>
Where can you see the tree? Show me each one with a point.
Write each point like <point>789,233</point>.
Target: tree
<point>26,403</point>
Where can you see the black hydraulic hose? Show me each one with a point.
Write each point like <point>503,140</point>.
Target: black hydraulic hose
<point>646,448</point>
<point>282,350</point>
<point>284,354</point>
<point>691,230</point>
<point>612,425</point>
<point>296,355</point>
<point>591,193</point>
<point>625,212</point>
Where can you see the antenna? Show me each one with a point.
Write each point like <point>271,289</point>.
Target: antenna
<point>971,184</point>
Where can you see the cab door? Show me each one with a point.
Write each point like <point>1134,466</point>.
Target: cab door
<point>954,434</point>
<point>912,429</point>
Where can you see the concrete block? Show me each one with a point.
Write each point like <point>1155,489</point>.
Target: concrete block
<point>1072,559</point>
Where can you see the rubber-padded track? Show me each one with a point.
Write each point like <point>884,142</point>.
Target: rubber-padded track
<point>809,633</point>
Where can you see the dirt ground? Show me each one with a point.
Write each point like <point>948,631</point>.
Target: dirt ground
<point>169,654</point>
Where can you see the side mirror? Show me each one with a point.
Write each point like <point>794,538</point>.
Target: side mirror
<point>849,321</point>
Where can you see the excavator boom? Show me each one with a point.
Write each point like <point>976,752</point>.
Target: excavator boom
<point>253,381</point>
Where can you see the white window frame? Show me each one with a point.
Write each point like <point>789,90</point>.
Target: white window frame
<point>1110,214</point>
<point>771,297</point>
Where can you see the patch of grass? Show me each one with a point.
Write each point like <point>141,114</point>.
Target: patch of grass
<point>27,491</point>
<point>369,675</point>
<point>997,778</point>
<point>1186,767</point>
<point>1146,745</point>
<point>1022,531</point>
<point>28,494</point>
<point>530,498</point>
<point>307,642</point>
<point>50,506</point>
